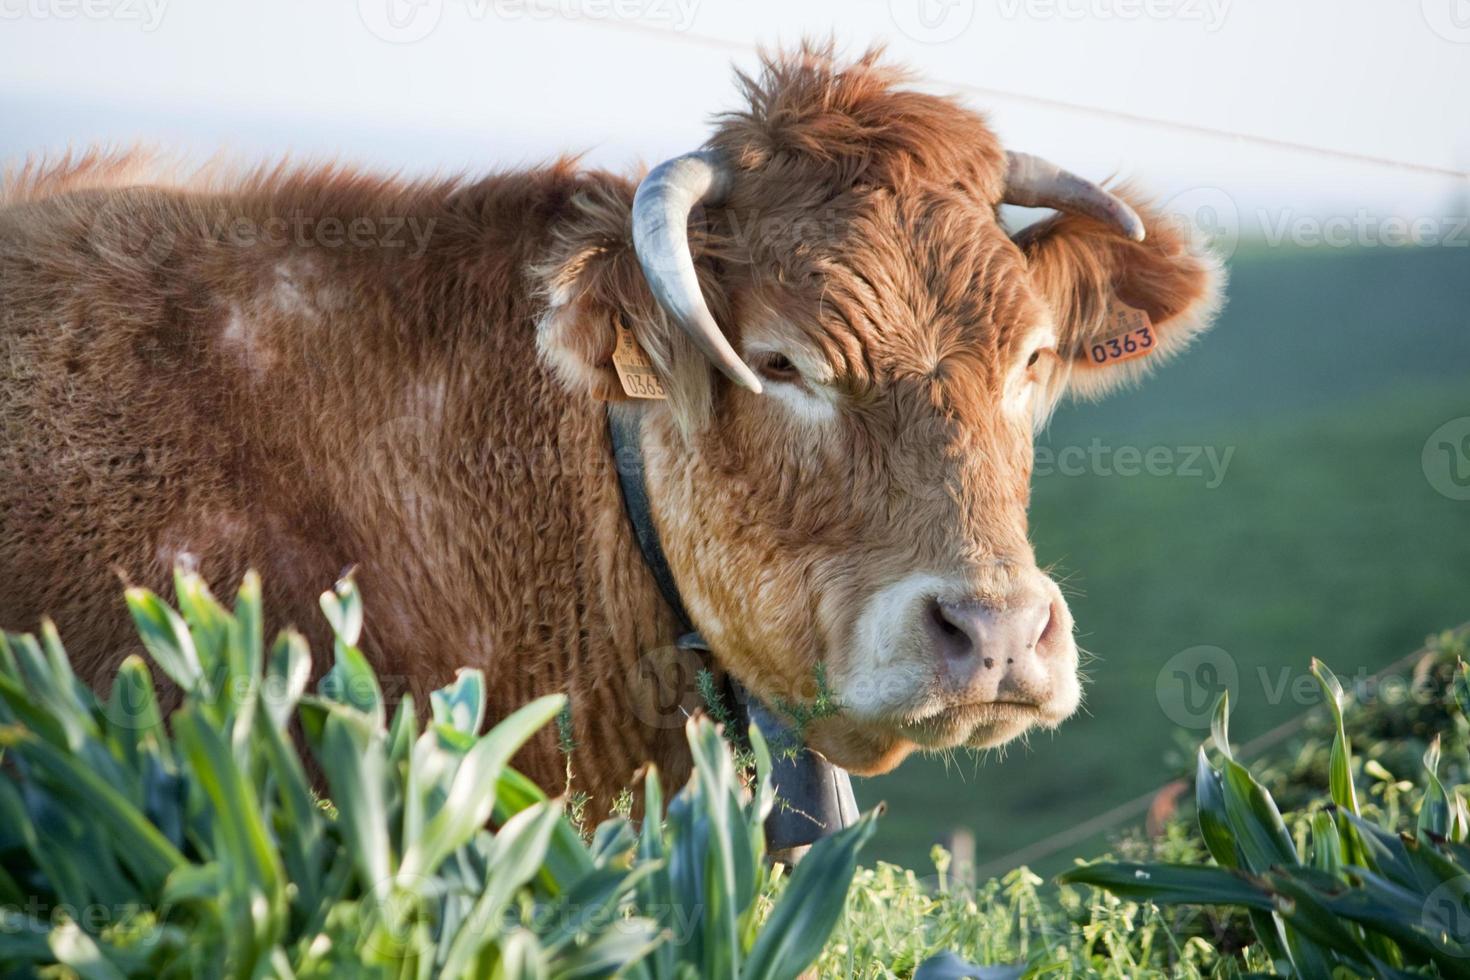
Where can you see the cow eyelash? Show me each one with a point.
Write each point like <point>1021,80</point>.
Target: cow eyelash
<point>777,367</point>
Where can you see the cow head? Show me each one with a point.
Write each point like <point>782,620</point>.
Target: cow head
<point>849,488</point>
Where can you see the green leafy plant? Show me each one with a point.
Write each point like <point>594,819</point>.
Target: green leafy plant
<point>134,846</point>
<point>1350,898</point>
<point>1393,720</point>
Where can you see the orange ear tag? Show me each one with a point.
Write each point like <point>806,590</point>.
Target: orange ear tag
<point>634,368</point>
<point>1132,336</point>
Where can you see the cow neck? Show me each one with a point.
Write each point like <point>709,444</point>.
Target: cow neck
<point>816,796</point>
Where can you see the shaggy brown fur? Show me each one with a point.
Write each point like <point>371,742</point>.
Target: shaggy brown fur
<point>215,370</point>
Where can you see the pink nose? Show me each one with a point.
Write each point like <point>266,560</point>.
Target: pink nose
<point>986,650</point>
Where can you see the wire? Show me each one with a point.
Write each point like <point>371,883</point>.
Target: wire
<point>712,42</point>
<point>1269,142</point>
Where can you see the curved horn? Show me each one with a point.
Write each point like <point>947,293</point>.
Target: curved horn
<point>1036,183</point>
<point>661,238</point>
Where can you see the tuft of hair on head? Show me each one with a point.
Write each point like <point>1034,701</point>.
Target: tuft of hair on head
<point>812,116</point>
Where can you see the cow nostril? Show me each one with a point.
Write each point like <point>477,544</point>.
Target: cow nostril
<point>946,626</point>
<point>951,636</point>
<point>1049,630</point>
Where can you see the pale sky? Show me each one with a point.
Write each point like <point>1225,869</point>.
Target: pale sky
<point>451,85</point>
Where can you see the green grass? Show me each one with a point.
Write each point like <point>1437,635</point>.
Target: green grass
<point>1326,374</point>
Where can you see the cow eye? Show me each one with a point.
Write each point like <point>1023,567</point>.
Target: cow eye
<point>1040,355</point>
<point>774,366</point>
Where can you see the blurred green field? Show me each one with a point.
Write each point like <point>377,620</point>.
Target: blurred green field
<point>1324,377</point>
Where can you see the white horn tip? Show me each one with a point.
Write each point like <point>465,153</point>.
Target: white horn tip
<point>1130,223</point>
<point>745,378</point>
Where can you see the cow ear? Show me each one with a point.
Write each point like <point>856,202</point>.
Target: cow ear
<point>576,336</point>
<point>592,285</point>
<point>1121,307</point>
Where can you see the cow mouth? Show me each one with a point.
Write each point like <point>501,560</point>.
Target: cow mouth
<point>875,746</point>
<point>977,724</point>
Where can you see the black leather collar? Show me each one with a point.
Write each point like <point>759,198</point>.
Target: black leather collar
<point>813,797</point>
<point>625,427</point>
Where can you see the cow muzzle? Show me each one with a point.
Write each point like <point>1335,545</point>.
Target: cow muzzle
<point>986,654</point>
<point>940,666</point>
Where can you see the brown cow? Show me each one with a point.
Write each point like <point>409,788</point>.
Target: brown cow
<point>302,370</point>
